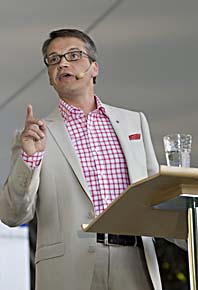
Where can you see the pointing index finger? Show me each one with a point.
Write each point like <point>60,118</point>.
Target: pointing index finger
<point>30,118</point>
<point>29,114</point>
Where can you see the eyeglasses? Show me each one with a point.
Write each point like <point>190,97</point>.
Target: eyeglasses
<point>69,56</point>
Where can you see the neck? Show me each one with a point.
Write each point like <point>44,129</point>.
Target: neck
<point>86,103</point>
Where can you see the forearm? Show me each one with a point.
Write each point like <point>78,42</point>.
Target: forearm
<point>19,194</point>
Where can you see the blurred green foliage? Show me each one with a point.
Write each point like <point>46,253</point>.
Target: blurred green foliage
<point>173,263</point>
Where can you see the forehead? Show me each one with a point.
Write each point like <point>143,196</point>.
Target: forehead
<point>63,44</point>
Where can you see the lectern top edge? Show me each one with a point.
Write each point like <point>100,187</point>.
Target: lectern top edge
<point>178,171</point>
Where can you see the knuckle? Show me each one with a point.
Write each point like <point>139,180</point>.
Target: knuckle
<point>34,127</point>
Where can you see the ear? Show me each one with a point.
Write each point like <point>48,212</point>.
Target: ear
<point>95,69</point>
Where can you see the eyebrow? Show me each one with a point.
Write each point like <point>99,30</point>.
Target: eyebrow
<point>71,49</point>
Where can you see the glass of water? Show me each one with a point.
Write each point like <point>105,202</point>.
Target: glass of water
<point>178,149</point>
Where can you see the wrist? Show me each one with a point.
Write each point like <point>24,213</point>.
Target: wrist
<point>33,160</point>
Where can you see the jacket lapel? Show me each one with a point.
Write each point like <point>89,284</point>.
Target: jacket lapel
<point>60,135</point>
<point>132,150</point>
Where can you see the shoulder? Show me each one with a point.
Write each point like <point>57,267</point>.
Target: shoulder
<point>124,113</point>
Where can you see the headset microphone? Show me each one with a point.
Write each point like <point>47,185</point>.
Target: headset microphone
<point>81,74</point>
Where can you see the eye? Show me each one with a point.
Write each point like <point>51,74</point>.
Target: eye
<point>53,59</point>
<point>74,55</point>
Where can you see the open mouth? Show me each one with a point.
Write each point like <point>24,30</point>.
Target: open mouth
<point>65,76</point>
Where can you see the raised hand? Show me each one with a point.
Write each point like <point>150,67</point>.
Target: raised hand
<point>33,137</point>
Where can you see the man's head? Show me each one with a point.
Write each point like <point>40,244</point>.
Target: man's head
<point>71,33</point>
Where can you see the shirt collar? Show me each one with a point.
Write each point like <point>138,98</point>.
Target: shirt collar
<point>67,111</point>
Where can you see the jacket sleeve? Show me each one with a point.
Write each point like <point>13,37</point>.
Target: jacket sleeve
<point>19,194</point>
<point>151,160</point>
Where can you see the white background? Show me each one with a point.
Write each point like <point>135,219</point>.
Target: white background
<point>14,258</point>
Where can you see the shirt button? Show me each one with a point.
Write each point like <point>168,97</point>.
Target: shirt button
<point>91,249</point>
<point>104,198</point>
<point>95,150</point>
<point>101,174</point>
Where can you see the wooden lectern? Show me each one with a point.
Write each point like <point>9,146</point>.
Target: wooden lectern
<point>163,205</point>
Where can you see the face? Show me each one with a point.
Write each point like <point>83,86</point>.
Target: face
<point>63,75</point>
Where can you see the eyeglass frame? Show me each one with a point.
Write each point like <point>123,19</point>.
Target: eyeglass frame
<point>65,54</point>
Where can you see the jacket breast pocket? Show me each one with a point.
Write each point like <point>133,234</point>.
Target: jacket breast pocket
<point>49,252</point>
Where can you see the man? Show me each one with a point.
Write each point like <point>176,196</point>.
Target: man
<point>69,168</point>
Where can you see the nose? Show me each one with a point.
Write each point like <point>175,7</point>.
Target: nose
<point>63,62</point>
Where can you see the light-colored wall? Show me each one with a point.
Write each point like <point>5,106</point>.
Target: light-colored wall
<point>14,258</point>
<point>148,61</point>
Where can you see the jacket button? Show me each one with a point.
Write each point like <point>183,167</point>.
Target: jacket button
<point>90,215</point>
<point>92,249</point>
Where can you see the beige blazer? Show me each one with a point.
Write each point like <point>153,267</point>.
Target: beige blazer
<point>58,192</point>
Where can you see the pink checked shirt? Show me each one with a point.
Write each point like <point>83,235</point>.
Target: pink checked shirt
<point>99,151</point>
